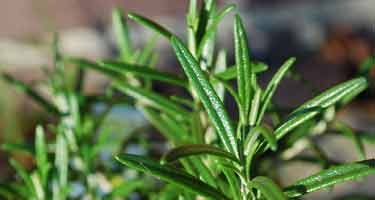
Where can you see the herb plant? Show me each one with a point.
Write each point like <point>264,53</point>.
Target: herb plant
<point>66,151</point>
<point>213,155</point>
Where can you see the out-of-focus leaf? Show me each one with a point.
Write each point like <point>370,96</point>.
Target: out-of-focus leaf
<point>161,125</point>
<point>170,174</point>
<point>22,87</point>
<point>220,65</point>
<point>126,188</point>
<point>155,100</point>
<point>367,66</point>
<point>146,52</point>
<point>346,130</point>
<point>143,71</point>
<point>38,187</point>
<point>22,148</point>
<point>83,63</point>
<point>330,177</point>
<point>61,162</point>
<point>21,171</point>
<point>267,188</point>
<point>355,197</point>
<point>150,24</point>
<point>207,95</point>
<point>121,31</point>
<point>41,154</point>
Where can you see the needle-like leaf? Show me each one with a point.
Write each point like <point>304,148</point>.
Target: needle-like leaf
<point>116,70</point>
<point>41,155</point>
<point>195,149</point>
<point>21,171</point>
<point>231,72</point>
<point>347,131</point>
<point>244,72</point>
<point>121,31</point>
<point>171,175</point>
<point>207,95</point>
<point>143,71</point>
<point>255,104</point>
<point>151,24</point>
<point>267,188</point>
<point>314,106</point>
<point>155,100</point>
<point>330,177</point>
<point>21,147</point>
<point>211,29</point>
<point>265,132</point>
<point>84,63</point>
<point>23,87</point>
<point>271,88</point>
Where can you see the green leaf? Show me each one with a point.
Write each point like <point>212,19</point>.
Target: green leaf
<point>161,125</point>
<point>155,100</point>
<point>245,74</point>
<point>255,104</point>
<point>220,65</point>
<point>146,52</point>
<point>346,130</point>
<point>22,148</point>
<point>183,101</point>
<point>118,70</point>
<point>170,174</point>
<point>22,87</point>
<point>231,72</point>
<point>38,187</point>
<point>266,133</point>
<point>61,161</point>
<point>127,187</point>
<point>211,29</point>
<point>267,188</point>
<point>41,154</point>
<point>83,63</point>
<point>207,95</point>
<point>202,171</point>
<point>227,86</point>
<point>367,66</point>
<point>121,31</point>
<point>314,106</point>
<point>206,12</point>
<point>233,182</point>
<point>21,171</point>
<point>7,192</point>
<point>151,24</point>
<point>195,149</point>
<point>271,87</point>
<point>143,71</point>
<point>330,177</point>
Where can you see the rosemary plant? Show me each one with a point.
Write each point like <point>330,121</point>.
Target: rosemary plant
<point>66,151</point>
<point>212,155</point>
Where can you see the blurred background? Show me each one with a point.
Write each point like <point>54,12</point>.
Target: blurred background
<point>330,38</point>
